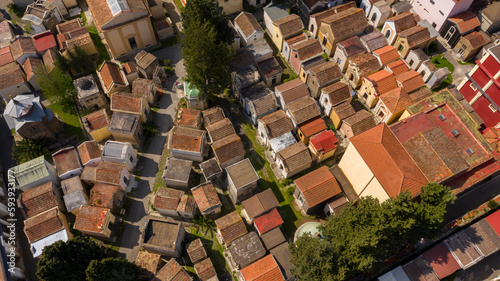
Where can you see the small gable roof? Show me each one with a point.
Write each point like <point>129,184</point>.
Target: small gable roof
<point>318,186</point>
<point>247,24</point>
<point>465,21</point>
<point>289,25</point>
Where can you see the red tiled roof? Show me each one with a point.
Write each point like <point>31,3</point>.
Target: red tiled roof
<point>189,117</point>
<point>109,172</point>
<point>318,186</point>
<point>44,41</point>
<point>312,127</point>
<point>31,66</point>
<point>265,269</point>
<point>110,72</point>
<point>69,25</point>
<point>441,260</point>
<point>389,161</point>
<point>387,54</point>
<point>172,271</point>
<point>465,21</point>
<point>296,39</point>
<point>127,102</point>
<point>268,221</point>
<point>129,67</point>
<point>5,56</point>
<point>382,81</point>
<point>21,46</point>
<point>89,150</point>
<point>104,195</point>
<point>410,81</point>
<point>66,160</point>
<point>96,120</point>
<point>206,197</point>
<point>102,13</point>
<point>494,221</point>
<point>188,139</point>
<point>396,100</point>
<point>167,199</point>
<point>90,218</point>
<point>38,199</point>
<point>324,141</point>
<point>352,46</point>
<point>42,225</point>
<point>397,67</point>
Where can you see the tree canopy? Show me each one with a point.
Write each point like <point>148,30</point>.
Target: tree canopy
<point>205,46</point>
<point>112,269</point>
<point>57,87</point>
<point>28,149</point>
<point>76,60</point>
<point>68,261</point>
<point>366,232</point>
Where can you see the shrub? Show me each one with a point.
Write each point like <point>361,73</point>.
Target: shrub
<point>290,190</point>
<point>251,9</point>
<point>492,204</point>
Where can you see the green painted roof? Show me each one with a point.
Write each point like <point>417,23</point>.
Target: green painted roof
<point>191,91</point>
<point>30,171</point>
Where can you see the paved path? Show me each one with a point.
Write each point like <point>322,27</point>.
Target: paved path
<point>460,70</point>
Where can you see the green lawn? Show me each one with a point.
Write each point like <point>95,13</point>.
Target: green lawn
<point>72,125</point>
<point>101,48</point>
<point>179,5</point>
<point>441,62</point>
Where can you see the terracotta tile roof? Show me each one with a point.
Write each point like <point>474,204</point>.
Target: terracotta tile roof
<point>44,41</point>
<point>196,251</point>
<point>277,124</point>
<point>296,39</point>
<point>247,23</point>
<point>172,271</point>
<point>374,40</point>
<point>303,110</point>
<point>465,21</point>
<point>330,12</point>
<point>102,13</point>
<point>109,172</point>
<point>212,115</point>
<point>189,117</point>
<point>68,26</point>
<point>66,160</point>
<point>476,39</point>
<point>42,225</point>
<point>129,67</point>
<point>220,129</point>
<point>389,162</point>
<point>352,46</point>
<point>265,269</point>
<point>22,45</point>
<point>324,142</point>
<point>127,102</point>
<point>38,199</point>
<point>228,148</point>
<point>96,120</point>
<point>326,72</point>
<point>110,72</point>
<point>360,122</point>
<point>142,86</point>
<point>367,63</point>
<point>312,127</point>
<point>387,54</point>
<point>416,35</point>
<point>230,227</point>
<point>307,49</point>
<point>104,195</point>
<point>344,109</point>
<point>295,156</point>
<point>30,67</point>
<point>346,22</point>
<point>441,260</point>
<point>49,59</point>
<point>167,199</point>
<point>270,67</point>
<point>396,100</point>
<point>5,56</point>
<point>397,67</point>
<point>337,92</point>
<point>89,150</point>
<point>90,218</point>
<point>260,203</point>
<point>205,270</point>
<point>403,21</point>
<point>292,90</point>
<point>147,263</point>
<point>318,186</point>
<point>188,139</point>
<point>11,75</point>
<point>289,25</point>
<point>206,197</point>
<point>383,81</point>
<point>268,221</point>
<point>187,204</point>
<point>410,81</point>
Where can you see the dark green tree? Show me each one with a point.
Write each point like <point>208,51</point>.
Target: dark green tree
<point>75,61</point>
<point>205,46</point>
<point>205,224</point>
<point>434,199</point>
<point>67,261</point>
<point>57,87</point>
<point>28,149</point>
<point>112,269</point>
<point>208,11</point>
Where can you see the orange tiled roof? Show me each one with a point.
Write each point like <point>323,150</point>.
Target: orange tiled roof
<point>382,81</point>
<point>410,81</point>
<point>42,225</point>
<point>104,195</point>
<point>89,150</point>
<point>465,21</point>
<point>38,199</point>
<point>102,13</point>
<point>265,269</point>
<point>127,102</point>
<point>110,72</point>
<point>318,186</point>
<point>387,54</point>
<point>188,139</point>
<point>206,197</point>
<point>90,218</point>
<point>393,167</point>
<point>397,67</point>
<point>312,127</point>
<point>396,100</point>
<point>96,120</point>
<point>109,172</point>
<point>189,117</point>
